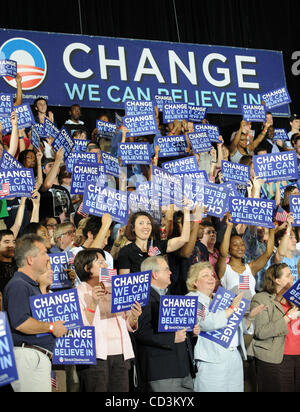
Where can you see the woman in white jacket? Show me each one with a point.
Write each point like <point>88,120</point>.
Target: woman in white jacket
<point>219,369</point>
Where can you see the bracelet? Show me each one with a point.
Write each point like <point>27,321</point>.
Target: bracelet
<point>51,327</point>
<point>197,221</point>
<point>233,308</point>
<point>90,310</point>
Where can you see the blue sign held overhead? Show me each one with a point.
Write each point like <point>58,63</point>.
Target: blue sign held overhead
<point>295,209</point>
<point>142,125</point>
<point>253,212</point>
<point>18,182</point>
<point>84,173</point>
<point>135,153</point>
<point>106,129</point>
<point>59,265</point>
<point>197,113</point>
<point>111,164</point>
<point>175,111</point>
<point>275,167</point>
<point>128,289</point>
<point>187,164</point>
<point>254,113</point>
<point>200,141</point>
<point>177,313</point>
<point>64,139</point>
<point>280,134</point>
<point>6,104</point>
<point>100,200</point>
<point>235,172</point>
<point>276,98</point>
<point>8,68</point>
<point>171,145</point>
<point>139,108</point>
<point>212,131</point>
<point>80,157</point>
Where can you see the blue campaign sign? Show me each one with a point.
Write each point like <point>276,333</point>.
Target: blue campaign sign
<point>8,68</point>
<point>166,187</point>
<point>35,137</point>
<point>200,141</point>
<point>222,300</point>
<point>50,129</point>
<point>139,108</point>
<point>177,313</point>
<point>63,139</point>
<point>84,173</point>
<point>41,130</point>
<point>106,129</point>
<point>214,197</point>
<point>135,153</point>
<point>25,116</point>
<point>80,145</point>
<point>142,200</point>
<point>8,367</point>
<point>280,134</point>
<point>171,145</point>
<point>59,265</point>
<point>199,175</point>
<point>175,111</point>
<point>142,125</point>
<point>111,164</point>
<point>235,172</point>
<point>160,101</point>
<point>254,212</point>
<point>9,162</point>
<point>128,289</point>
<point>18,182</point>
<point>293,294</point>
<point>56,306</point>
<point>275,167</point>
<point>98,200</point>
<point>197,113</point>
<point>6,104</point>
<point>78,347</point>
<point>254,113</point>
<point>295,209</point>
<point>80,157</point>
<point>106,72</point>
<point>212,131</point>
<point>276,98</point>
<point>187,164</point>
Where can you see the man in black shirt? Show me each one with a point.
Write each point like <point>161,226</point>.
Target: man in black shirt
<point>7,262</point>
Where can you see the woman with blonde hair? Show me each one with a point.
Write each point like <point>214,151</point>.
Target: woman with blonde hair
<point>219,369</point>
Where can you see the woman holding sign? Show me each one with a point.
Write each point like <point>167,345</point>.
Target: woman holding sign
<point>235,273</point>
<point>220,368</point>
<point>140,231</point>
<point>113,344</point>
<point>276,342</point>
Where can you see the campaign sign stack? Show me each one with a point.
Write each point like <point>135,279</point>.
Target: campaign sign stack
<point>222,300</point>
<point>177,313</point>
<point>78,347</point>
<point>8,368</point>
<point>130,288</point>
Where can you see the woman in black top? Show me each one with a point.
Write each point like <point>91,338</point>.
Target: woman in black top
<point>140,231</point>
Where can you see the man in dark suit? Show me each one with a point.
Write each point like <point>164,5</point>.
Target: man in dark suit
<point>165,359</point>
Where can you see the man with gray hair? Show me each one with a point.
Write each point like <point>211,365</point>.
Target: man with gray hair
<point>165,359</point>
<point>33,354</point>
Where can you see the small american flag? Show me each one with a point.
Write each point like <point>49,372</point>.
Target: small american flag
<point>54,382</point>
<point>5,190</point>
<point>244,282</point>
<point>201,311</point>
<point>153,251</point>
<point>80,212</point>
<point>106,274</point>
<point>281,215</point>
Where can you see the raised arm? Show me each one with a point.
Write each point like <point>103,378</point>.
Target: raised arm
<point>177,242</point>
<point>224,248</point>
<point>19,95</point>
<point>52,176</point>
<point>99,239</point>
<point>258,264</point>
<point>14,140</point>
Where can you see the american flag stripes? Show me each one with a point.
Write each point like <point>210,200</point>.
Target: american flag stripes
<point>80,212</point>
<point>4,190</point>
<point>244,282</point>
<point>281,215</point>
<point>106,274</point>
<point>201,310</point>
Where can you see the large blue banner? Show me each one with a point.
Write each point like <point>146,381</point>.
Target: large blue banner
<point>107,72</point>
